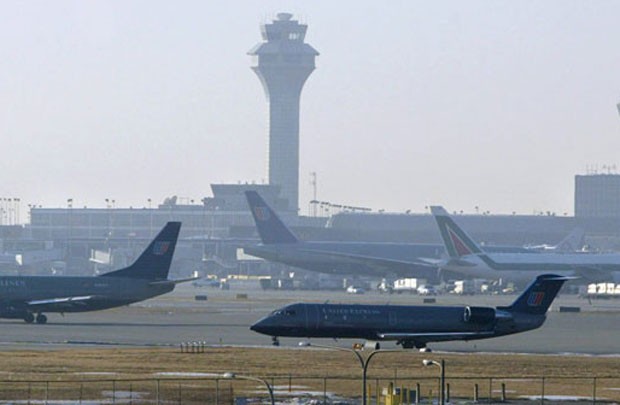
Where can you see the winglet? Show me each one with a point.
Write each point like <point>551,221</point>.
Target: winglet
<point>456,241</point>
<point>270,227</point>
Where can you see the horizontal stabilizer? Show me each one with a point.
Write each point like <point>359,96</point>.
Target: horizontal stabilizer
<point>178,281</point>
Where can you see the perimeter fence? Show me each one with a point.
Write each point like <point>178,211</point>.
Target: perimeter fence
<point>316,390</point>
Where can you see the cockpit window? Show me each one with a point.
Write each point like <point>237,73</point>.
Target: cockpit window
<point>286,312</point>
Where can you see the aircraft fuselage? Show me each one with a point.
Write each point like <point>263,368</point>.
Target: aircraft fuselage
<point>106,292</point>
<point>391,322</point>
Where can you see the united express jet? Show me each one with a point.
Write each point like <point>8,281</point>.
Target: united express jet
<point>413,326</point>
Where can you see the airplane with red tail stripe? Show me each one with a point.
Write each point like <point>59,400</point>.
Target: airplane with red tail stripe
<point>468,259</point>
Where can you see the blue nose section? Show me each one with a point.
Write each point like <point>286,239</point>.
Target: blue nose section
<point>261,326</point>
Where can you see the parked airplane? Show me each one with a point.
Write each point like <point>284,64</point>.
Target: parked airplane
<point>21,297</point>
<point>280,245</point>
<point>573,242</point>
<point>413,326</point>
<point>468,259</point>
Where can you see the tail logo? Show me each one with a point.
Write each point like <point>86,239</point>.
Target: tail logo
<point>261,213</point>
<point>459,245</point>
<point>160,248</point>
<point>535,299</point>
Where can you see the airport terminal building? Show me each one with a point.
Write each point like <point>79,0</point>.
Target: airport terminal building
<point>220,224</point>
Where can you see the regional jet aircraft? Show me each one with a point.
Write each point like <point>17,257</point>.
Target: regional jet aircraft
<point>468,259</point>
<point>280,245</point>
<point>414,326</point>
<point>28,297</point>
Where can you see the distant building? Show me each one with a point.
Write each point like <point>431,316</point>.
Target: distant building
<point>111,237</point>
<point>212,217</point>
<point>283,63</point>
<point>597,196</point>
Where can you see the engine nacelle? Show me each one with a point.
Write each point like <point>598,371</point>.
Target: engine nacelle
<point>479,315</point>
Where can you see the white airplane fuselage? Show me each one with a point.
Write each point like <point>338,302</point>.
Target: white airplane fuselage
<point>523,266</point>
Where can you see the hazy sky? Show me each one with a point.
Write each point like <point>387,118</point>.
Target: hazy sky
<point>495,104</point>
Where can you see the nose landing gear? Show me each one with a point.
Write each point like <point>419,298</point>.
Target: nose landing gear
<point>29,317</point>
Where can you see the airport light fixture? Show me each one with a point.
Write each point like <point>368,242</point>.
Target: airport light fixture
<point>442,377</point>
<point>234,376</point>
<point>364,362</point>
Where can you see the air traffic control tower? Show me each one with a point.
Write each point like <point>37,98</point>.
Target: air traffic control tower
<point>283,62</point>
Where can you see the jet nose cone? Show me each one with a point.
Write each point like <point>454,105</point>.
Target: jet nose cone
<point>260,327</point>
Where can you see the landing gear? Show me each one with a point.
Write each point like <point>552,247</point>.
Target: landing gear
<point>41,319</point>
<point>29,317</point>
<point>412,344</point>
<point>275,341</point>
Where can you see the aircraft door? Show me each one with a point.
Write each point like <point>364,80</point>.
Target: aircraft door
<point>312,317</point>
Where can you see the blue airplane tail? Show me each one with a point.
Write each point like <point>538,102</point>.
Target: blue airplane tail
<point>154,262</point>
<point>539,295</point>
<point>270,228</point>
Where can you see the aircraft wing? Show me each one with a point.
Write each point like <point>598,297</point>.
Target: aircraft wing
<point>436,336</point>
<point>431,261</point>
<point>395,265</point>
<point>61,301</point>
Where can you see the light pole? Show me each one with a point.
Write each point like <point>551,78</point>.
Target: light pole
<point>150,219</point>
<point>233,376</point>
<point>442,377</point>
<point>70,221</point>
<point>364,361</point>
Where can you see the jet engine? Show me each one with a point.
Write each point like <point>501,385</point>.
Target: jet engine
<point>479,315</point>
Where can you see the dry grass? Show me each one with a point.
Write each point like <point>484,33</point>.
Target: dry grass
<point>53,364</point>
<point>278,363</point>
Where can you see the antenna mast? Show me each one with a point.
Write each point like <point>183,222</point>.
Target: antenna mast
<point>314,201</point>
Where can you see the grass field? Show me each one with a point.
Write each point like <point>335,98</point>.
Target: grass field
<point>317,370</point>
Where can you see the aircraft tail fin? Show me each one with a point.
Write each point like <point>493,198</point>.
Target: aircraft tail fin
<point>539,295</point>
<point>455,240</point>
<point>154,262</point>
<point>270,227</point>
<point>574,241</point>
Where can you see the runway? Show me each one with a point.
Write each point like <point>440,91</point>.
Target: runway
<point>225,317</point>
